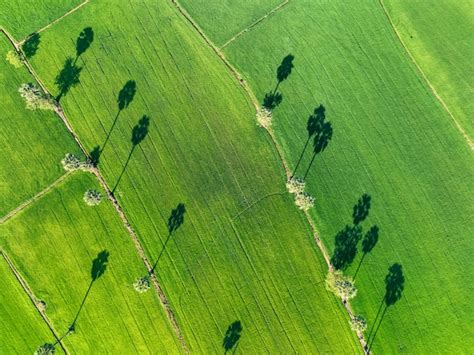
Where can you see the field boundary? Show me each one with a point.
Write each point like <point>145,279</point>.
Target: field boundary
<point>255,23</point>
<point>425,78</point>
<point>138,246</point>
<point>279,150</point>
<point>33,299</point>
<point>40,194</point>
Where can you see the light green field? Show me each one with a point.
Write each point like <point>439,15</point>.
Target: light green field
<point>391,140</point>
<point>34,141</point>
<point>53,243</point>
<point>22,17</point>
<point>204,150</point>
<point>22,326</point>
<point>221,20</point>
<point>438,35</point>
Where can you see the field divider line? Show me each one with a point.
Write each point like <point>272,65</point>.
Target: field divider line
<point>40,194</point>
<point>138,246</point>
<point>56,20</point>
<point>33,299</point>
<point>279,150</point>
<point>425,78</point>
<point>255,23</point>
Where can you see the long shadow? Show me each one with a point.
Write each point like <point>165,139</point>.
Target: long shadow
<point>31,45</point>
<point>346,247</point>
<point>139,132</point>
<point>273,98</point>
<point>394,285</point>
<point>83,42</point>
<point>125,97</point>
<point>232,336</point>
<point>95,155</point>
<point>314,121</point>
<point>175,220</point>
<point>368,243</point>
<point>361,209</point>
<point>67,78</point>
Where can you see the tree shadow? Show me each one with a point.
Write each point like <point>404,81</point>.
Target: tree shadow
<point>232,336</point>
<point>31,45</point>
<point>346,247</point>
<point>361,209</point>
<point>124,98</point>
<point>83,42</point>
<point>95,155</point>
<point>394,286</point>
<point>175,220</point>
<point>368,243</point>
<point>273,98</point>
<point>312,125</point>
<point>67,77</point>
<point>139,132</point>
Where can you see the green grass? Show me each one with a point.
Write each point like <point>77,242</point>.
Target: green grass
<point>34,141</point>
<point>53,243</point>
<point>22,329</point>
<point>22,17</point>
<point>437,35</point>
<point>221,20</point>
<point>203,149</point>
<point>391,140</point>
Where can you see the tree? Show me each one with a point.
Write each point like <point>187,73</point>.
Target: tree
<point>142,284</point>
<point>92,197</point>
<point>264,117</point>
<point>45,349</point>
<point>304,201</point>
<point>358,324</point>
<point>14,58</point>
<point>70,162</point>
<point>341,285</point>
<point>35,98</point>
<point>295,185</point>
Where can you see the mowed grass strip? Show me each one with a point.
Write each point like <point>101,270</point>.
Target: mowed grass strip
<point>185,170</point>
<point>33,142</point>
<point>437,34</point>
<point>391,140</point>
<point>21,18</point>
<point>228,18</point>
<point>22,327</point>
<point>53,244</point>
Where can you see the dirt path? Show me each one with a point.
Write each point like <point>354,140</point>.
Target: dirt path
<point>271,12</point>
<point>33,298</point>
<point>34,198</point>
<point>139,248</point>
<point>425,78</point>
<point>278,148</point>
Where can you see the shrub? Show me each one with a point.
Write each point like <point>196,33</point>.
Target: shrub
<point>70,162</point>
<point>304,201</point>
<point>35,98</point>
<point>295,185</point>
<point>45,349</point>
<point>264,117</point>
<point>41,305</point>
<point>358,324</point>
<point>341,285</point>
<point>142,284</point>
<point>14,59</point>
<point>92,197</point>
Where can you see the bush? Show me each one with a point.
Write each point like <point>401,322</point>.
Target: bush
<point>45,349</point>
<point>92,197</point>
<point>295,185</point>
<point>358,324</point>
<point>264,117</point>
<point>35,98</point>
<point>341,285</point>
<point>304,201</point>
<point>14,59</point>
<point>142,284</point>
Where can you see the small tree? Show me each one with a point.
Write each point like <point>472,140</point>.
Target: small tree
<point>70,162</point>
<point>35,98</point>
<point>264,117</point>
<point>14,58</point>
<point>142,284</point>
<point>358,324</point>
<point>304,201</point>
<point>92,197</point>
<point>295,185</point>
<point>341,285</point>
<point>45,349</point>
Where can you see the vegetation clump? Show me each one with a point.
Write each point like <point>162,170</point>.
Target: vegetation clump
<point>70,163</point>
<point>14,58</point>
<point>92,197</point>
<point>264,117</point>
<point>35,98</point>
<point>295,185</point>
<point>358,324</point>
<point>45,349</point>
<point>304,201</point>
<point>142,284</point>
<point>341,285</point>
